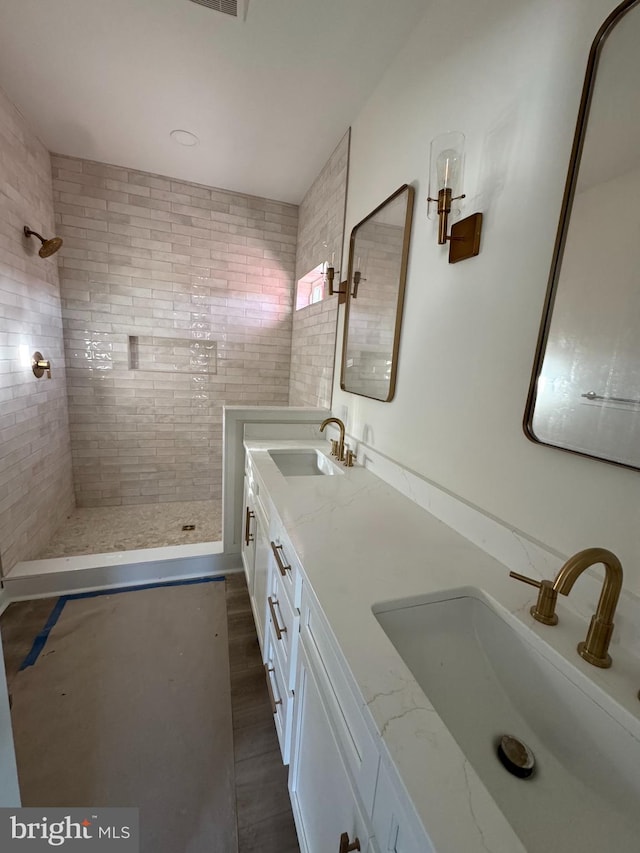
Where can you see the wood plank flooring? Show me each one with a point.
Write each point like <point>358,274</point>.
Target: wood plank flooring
<point>265,820</point>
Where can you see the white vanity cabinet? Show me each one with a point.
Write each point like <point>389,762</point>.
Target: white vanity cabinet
<point>255,551</point>
<point>260,574</point>
<point>358,744</point>
<point>334,757</point>
<point>324,803</point>
<point>282,631</point>
<point>248,544</point>
<point>395,828</point>
<point>363,792</point>
<point>344,797</point>
<point>280,696</point>
<point>284,626</point>
<point>287,565</point>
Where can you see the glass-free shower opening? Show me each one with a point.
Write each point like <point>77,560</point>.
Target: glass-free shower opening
<point>146,434</point>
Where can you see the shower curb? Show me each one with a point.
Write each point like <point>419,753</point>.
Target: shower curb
<point>31,580</point>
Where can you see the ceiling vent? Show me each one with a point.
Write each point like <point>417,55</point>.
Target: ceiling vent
<point>228,7</point>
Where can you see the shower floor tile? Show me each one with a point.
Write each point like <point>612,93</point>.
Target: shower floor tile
<point>96,530</point>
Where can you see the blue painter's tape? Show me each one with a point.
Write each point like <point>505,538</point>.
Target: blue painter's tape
<point>43,636</point>
<point>77,595</point>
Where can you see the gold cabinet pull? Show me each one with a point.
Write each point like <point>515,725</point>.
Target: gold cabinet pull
<point>281,564</point>
<point>346,846</point>
<point>279,631</point>
<point>272,699</point>
<point>247,526</point>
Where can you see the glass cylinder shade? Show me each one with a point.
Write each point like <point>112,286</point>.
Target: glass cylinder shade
<point>446,167</point>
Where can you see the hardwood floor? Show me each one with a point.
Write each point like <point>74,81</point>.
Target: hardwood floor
<point>265,820</point>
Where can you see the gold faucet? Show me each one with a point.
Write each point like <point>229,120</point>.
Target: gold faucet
<point>595,647</point>
<point>339,449</point>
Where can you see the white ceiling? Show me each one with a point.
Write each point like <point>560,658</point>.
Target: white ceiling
<point>269,98</point>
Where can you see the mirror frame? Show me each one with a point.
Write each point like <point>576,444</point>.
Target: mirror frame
<point>402,278</point>
<point>563,227</point>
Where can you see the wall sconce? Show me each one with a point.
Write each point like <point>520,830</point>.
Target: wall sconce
<point>357,278</point>
<point>342,292</point>
<point>446,168</point>
<point>330,274</point>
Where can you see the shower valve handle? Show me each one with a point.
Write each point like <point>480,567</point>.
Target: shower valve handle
<point>39,365</point>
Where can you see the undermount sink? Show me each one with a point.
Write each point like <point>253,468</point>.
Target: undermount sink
<point>486,678</point>
<point>303,463</point>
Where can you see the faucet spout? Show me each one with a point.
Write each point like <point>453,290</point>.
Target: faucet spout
<point>595,647</point>
<point>340,425</point>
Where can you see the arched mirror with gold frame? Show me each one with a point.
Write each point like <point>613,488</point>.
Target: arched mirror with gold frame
<point>585,389</point>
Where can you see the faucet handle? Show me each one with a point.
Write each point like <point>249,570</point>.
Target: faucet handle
<point>334,447</point>
<point>544,609</point>
<point>525,579</point>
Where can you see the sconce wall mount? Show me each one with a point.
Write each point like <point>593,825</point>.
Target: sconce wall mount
<point>445,183</point>
<point>464,240</point>
<point>341,291</point>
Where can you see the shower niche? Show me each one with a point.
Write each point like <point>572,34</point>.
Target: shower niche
<point>172,355</point>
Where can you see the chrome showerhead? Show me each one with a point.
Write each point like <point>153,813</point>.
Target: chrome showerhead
<point>49,247</point>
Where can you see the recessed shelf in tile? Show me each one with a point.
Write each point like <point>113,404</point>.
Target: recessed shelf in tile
<point>172,355</point>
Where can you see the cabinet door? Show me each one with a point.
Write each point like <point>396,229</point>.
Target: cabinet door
<point>282,699</point>
<point>284,622</point>
<point>323,800</point>
<point>248,544</point>
<point>396,829</point>
<point>287,564</point>
<point>260,576</point>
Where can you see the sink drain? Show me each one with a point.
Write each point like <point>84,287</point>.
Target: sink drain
<point>516,756</point>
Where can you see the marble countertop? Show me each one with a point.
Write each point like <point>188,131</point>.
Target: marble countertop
<point>361,543</point>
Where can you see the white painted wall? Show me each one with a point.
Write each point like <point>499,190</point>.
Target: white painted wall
<point>508,73</point>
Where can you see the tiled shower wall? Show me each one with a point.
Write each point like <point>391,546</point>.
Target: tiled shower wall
<point>36,490</point>
<point>177,300</point>
<point>320,238</point>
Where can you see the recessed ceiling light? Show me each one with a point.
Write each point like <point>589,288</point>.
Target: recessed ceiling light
<point>184,137</point>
